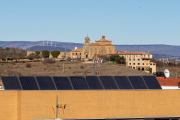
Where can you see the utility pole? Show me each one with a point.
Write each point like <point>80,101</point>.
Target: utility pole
<point>57,107</point>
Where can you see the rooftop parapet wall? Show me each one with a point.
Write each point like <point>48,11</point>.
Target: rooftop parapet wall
<point>28,105</point>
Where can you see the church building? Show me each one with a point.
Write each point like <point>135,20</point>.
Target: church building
<point>91,50</point>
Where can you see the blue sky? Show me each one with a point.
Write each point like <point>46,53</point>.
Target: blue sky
<point>122,21</point>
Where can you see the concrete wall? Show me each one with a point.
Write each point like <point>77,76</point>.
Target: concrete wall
<point>28,105</point>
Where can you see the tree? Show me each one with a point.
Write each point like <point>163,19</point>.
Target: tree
<point>113,57</point>
<point>55,54</point>
<point>45,54</point>
<point>37,52</point>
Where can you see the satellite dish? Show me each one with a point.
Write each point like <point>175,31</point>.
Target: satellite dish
<point>166,73</point>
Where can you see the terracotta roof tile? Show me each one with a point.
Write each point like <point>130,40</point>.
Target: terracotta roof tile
<point>96,44</point>
<point>168,82</point>
<point>132,53</point>
<point>77,50</point>
<point>101,40</point>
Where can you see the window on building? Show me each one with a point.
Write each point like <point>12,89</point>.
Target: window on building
<point>134,56</point>
<point>150,63</point>
<point>146,63</point>
<point>133,67</point>
<point>138,63</point>
<point>129,56</point>
<point>125,56</point>
<point>80,53</point>
<point>144,55</point>
<point>142,63</point>
<point>129,59</point>
<point>138,59</point>
<point>148,55</point>
<point>129,63</point>
<point>72,53</point>
<point>76,53</point>
<point>133,59</point>
<point>133,63</point>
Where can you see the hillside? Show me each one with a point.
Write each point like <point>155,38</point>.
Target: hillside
<point>159,51</point>
<point>49,48</point>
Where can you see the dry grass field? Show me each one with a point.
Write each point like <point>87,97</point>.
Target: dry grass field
<point>70,69</point>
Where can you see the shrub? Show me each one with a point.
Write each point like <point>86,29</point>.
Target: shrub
<point>48,60</point>
<point>28,65</point>
<point>150,70</point>
<point>113,57</point>
<point>45,54</point>
<point>37,52</point>
<point>55,54</point>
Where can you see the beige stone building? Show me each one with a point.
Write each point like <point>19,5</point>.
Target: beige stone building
<point>138,60</point>
<point>91,50</point>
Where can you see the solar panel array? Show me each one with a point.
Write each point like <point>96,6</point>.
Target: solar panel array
<point>80,83</point>
<point>28,83</point>
<point>108,82</point>
<point>45,83</point>
<point>123,82</point>
<point>93,82</point>
<point>11,83</point>
<point>137,82</point>
<point>152,82</point>
<point>62,83</point>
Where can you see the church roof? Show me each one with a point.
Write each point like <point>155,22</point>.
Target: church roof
<point>77,50</point>
<point>100,44</point>
<point>103,39</point>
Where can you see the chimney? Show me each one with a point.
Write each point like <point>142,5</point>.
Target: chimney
<point>103,37</point>
<point>75,48</point>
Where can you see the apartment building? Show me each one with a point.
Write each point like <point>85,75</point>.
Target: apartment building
<point>138,60</point>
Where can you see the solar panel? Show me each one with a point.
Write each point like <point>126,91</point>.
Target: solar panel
<point>11,83</point>
<point>137,82</point>
<point>152,82</point>
<point>45,83</point>
<point>62,83</point>
<point>93,82</point>
<point>123,82</point>
<point>108,82</point>
<point>28,83</point>
<point>79,83</point>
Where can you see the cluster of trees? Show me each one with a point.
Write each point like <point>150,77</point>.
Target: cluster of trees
<point>12,53</point>
<point>45,54</point>
<point>118,59</point>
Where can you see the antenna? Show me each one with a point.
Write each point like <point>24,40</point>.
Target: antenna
<point>43,43</point>
<point>47,43</point>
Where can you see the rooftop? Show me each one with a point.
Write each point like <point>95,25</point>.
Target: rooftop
<point>77,50</point>
<point>103,39</point>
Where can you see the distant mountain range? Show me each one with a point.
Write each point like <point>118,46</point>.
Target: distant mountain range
<point>158,50</point>
<point>49,48</point>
